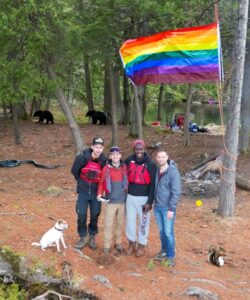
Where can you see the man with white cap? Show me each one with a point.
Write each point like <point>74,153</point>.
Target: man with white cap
<point>141,178</point>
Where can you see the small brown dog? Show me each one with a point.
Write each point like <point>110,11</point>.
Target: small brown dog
<point>216,255</point>
<point>53,236</point>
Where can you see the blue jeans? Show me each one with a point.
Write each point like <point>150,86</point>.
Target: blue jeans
<point>166,230</point>
<point>83,202</point>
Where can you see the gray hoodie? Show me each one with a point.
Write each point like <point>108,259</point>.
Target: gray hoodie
<point>168,187</point>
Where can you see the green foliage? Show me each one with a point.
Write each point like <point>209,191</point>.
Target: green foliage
<point>12,292</point>
<point>150,265</point>
<point>36,33</point>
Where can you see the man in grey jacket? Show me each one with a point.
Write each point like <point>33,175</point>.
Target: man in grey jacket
<point>167,194</point>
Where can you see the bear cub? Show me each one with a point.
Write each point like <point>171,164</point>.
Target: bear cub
<point>97,116</point>
<point>44,115</point>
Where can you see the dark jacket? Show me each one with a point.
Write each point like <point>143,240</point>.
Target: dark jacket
<point>168,187</point>
<point>81,160</point>
<point>114,182</point>
<point>143,189</point>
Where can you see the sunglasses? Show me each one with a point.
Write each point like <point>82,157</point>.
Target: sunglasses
<point>139,149</point>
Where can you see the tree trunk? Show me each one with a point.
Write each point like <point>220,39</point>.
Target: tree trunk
<point>89,94</point>
<point>79,144</point>
<point>47,105</point>
<point>113,107</point>
<point>245,102</point>
<point>161,94</point>
<point>227,190</point>
<point>15,124</point>
<point>143,102</point>
<point>35,105</point>
<point>137,93</point>
<point>187,115</point>
<point>21,111</point>
<point>5,113</point>
<point>126,101</point>
<point>107,91</point>
<point>70,80</point>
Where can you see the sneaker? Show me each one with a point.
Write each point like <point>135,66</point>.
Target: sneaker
<point>106,251</point>
<point>92,243</point>
<point>118,248</point>
<point>161,255</point>
<point>140,250</point>
<point>131,248</point>
<point>103,199</point>
<point>168,262</point>
<point>81,243</point>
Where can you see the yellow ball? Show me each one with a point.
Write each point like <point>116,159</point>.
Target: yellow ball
<point>198,202</point>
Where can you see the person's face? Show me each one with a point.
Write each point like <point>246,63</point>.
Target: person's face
<point>97,150</point>
<point>115,157</point>
<point>161,158</point>
<point>139,152</point>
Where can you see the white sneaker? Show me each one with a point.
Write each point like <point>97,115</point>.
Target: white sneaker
<point>103,199</point>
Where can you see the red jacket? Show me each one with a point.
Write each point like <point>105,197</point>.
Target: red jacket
<point>114,183</point>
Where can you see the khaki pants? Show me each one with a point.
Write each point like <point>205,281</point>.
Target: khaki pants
<point>117,212</point>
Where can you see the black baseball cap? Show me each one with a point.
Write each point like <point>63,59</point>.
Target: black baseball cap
<point>97,140</point>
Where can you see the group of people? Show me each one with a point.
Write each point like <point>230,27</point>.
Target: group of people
<point>130,188</point>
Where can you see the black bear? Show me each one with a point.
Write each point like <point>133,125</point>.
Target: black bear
<point>44,114</point>
<point>97,116</point>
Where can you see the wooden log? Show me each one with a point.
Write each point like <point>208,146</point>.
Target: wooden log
<point>242,182</point>
<point>216,165</point>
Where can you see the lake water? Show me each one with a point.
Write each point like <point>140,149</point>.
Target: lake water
<point>203,113</point>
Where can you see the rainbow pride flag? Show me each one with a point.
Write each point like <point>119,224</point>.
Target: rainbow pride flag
<point>186,55</point>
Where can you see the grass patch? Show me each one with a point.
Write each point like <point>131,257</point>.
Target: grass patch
<point>51,191</point>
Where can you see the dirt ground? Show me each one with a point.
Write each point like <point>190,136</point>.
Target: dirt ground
<point>32,198</point>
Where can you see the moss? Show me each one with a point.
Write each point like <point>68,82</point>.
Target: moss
<point>12,258</point>
<point>48,270</point>
<point>12,292</point>
<point>36,289</point>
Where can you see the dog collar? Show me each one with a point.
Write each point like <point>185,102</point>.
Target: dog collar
<point>58,229</point>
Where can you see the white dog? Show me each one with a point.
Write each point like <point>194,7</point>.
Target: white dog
<point>53,236</point>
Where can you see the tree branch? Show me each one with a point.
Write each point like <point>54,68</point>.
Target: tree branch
<point>60,296</point>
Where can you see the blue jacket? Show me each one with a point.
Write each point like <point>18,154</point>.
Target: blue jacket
<point>168,187</point>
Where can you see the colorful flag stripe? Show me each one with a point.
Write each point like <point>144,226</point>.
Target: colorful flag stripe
<point>172,62</point>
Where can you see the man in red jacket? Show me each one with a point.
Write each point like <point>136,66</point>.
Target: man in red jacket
<point>141,178</point>
<point>113,184</point>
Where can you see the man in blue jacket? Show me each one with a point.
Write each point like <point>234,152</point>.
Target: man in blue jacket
<point>87,169</point>
<point>167,194</point>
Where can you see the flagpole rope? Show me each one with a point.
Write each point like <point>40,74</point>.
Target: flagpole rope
<point>219,89</point>
<point>230,170</point>
<point>230,181</point>
<point>219,93</point>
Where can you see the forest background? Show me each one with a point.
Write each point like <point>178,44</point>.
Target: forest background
<point>65,49</point>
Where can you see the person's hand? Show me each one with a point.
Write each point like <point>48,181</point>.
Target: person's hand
<point>146,207</point>
<point>170,214</point>
<point>99,196</point>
